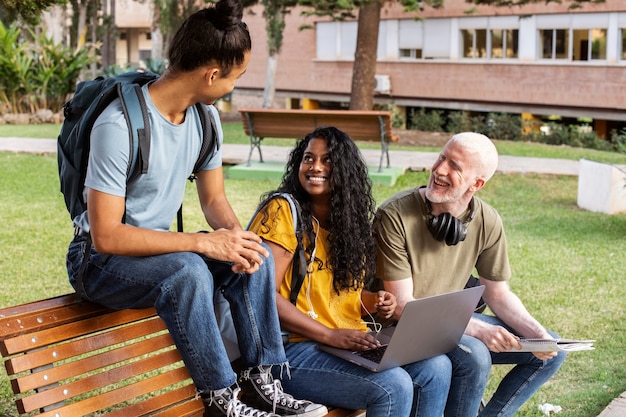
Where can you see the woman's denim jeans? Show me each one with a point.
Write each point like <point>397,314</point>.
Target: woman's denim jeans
<point>471,364</point>
<point>181,287</point>
<point>417,389</point>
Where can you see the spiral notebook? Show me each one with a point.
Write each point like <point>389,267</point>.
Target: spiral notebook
<point>428,327</point>
<point>554,345</point>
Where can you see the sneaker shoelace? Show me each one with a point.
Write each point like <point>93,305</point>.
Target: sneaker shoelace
<point>275,391</point>
<point>236,408</point>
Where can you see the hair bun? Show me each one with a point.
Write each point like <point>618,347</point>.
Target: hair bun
<point>229,14</point>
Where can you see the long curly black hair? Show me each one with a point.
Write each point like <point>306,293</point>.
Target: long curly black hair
<point>352,207</point>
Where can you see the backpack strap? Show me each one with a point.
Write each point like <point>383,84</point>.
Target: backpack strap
<point>209,136</point>
<point>209,144</point>
<point>298,271</point>
<point>136,114</point>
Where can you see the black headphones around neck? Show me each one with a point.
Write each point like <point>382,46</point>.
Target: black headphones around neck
<point>447,227</point>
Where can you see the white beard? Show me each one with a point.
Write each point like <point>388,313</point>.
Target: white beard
<point>450,195</point>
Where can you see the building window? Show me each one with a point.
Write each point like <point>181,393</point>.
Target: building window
<point>494,44</point>
<point>144,54</point>
<point>335,40</point>
<point>589,44</point>
<point>410,53</point>
<point>474,43</point>
<point>504,43</point>
<point>410,39</point>
<point>623,46</point>
<point>598,43</point>
<point>554,43</point>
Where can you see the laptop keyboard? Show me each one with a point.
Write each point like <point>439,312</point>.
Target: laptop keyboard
<point>374,355</point>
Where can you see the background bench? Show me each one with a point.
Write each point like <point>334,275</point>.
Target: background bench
<point>295,124</point>
<point>68,358</point>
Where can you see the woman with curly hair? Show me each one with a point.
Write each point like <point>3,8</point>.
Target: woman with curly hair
<point>328,179</point>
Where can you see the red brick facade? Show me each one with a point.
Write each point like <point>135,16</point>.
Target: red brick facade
<point>544,87</point>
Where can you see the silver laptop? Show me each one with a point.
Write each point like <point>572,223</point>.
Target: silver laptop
<point>428,327</point>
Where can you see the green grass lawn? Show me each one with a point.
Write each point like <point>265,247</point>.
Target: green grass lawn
<point>568,264</point>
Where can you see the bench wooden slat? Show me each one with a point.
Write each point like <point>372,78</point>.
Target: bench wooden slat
<point>37,339</point>
<point>78,367</point>
<point>32,317</point>
<point>186,409</point>
<point>111,398</point>
<point>180,401</point>
<point>295,124</point>
<point>40,305</point>
<point>342,412</point>
<point>74,388</point>
<point>55,353</point>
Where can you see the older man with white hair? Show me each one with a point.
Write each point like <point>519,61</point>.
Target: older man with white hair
<point>429,241</point>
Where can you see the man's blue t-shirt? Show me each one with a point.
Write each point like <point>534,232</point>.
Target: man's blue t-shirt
<point>152,199</point>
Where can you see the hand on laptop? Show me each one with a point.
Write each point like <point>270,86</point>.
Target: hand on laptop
<point>353,339</point>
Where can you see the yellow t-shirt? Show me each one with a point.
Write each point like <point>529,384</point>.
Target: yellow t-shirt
<point>334,310</point>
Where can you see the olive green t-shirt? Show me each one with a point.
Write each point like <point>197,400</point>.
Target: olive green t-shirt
<point>406,248</point>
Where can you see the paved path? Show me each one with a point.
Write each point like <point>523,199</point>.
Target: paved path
<point>416,161</point>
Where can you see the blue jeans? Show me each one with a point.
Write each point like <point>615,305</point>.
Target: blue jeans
<point>324,378</point>
<point>181,287</point>
<point>471,364</point>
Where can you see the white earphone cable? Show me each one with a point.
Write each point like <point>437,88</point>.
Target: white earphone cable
<point>309,271</point>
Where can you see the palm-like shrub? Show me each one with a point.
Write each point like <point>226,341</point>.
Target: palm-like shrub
<point>36,73</point>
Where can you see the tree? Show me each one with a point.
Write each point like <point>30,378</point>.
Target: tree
<point>364,69</point>
<point>28,10</point>
<point>274,12</point>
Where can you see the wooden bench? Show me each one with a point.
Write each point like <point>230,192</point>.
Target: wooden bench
<point>295,124</point>
<point>67,358</point>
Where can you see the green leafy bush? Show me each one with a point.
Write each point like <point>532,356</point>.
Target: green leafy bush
<point>459,121</point>
<point>504,126</point>
<point>36,73</point>
<point>511,127</point>
<point>426,121</point>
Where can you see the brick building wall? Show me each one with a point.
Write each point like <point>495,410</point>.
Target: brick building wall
<point>542,86</point>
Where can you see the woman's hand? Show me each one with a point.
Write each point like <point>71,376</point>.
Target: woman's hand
<point>352,339</point>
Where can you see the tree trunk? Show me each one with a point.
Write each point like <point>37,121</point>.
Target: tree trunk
<point>82,24</point>
<point>108,33</point>
<point>94,24</point>
<point>270,81</point>
<point>364,70</point>
<point>156,35</point>
<point>274,14</point>
<point>156,52</point>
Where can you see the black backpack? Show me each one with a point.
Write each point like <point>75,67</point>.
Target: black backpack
<point>89,100</point>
